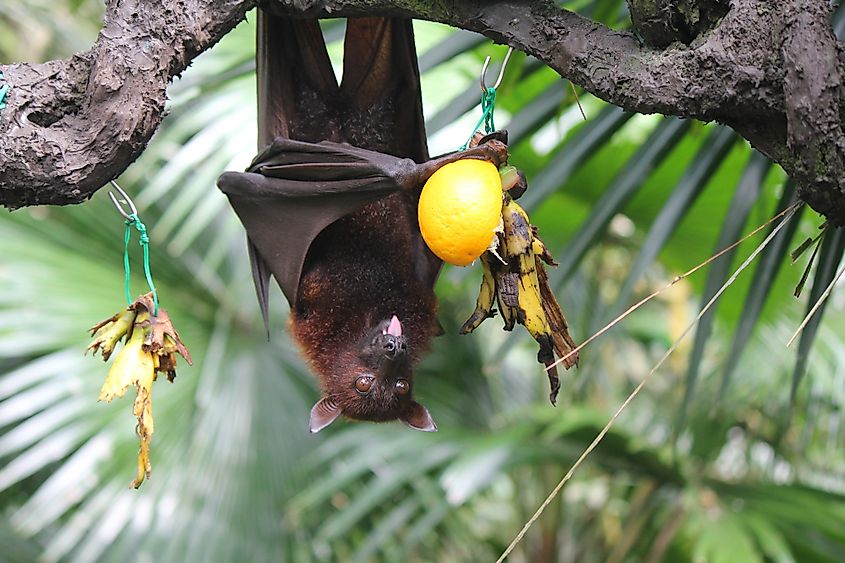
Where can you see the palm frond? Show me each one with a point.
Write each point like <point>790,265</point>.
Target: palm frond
<point>745,197</point>
<point>624,200</point>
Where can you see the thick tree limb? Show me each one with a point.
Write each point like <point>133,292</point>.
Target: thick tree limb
<point>70,126</point>
<point>770,70</point>
<point>813,94</point>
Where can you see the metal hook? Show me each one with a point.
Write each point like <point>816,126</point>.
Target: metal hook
<point>126,199</point>
<point>501,71</point>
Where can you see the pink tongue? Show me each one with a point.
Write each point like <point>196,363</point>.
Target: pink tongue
<point>395,327</point>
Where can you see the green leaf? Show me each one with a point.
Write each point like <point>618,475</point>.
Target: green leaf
<point>830,255</point>
<point>761,285</point>
<point>725,540</point>
<point>709,158</point>
<point>617,194</point>
<point>744,198</point>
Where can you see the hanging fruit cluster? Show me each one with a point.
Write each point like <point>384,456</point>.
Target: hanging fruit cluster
<point>467,212</point>
<point>150,347</point>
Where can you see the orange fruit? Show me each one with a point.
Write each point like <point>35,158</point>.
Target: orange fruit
<point>460,208</point>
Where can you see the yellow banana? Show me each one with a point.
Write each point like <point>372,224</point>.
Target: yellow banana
<point>521,288</point>
<point>151,346</point>
<point>519,251</point>
<point>143,411</point>
<point>484,303</point>
<point>561,339</point>
<point>131,365</point>
<point>107,333</point>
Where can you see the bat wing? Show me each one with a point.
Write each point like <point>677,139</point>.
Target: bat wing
<point>381,77</point>
<point>296,188</point>
<point>293,190</point>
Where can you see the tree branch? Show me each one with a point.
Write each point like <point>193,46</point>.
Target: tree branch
<point>71,126</point>
<point>763,68</point>
<point>727,67</point>
<point>813,93</point>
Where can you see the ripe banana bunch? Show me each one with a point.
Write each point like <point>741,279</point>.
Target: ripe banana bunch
<point>516,278</point>
<point>151,345</point>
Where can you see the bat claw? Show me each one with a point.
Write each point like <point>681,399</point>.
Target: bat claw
<point>493,151</point>
<point>496,152</point>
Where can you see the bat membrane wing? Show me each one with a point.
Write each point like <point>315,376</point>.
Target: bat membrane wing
<point>293,191</point>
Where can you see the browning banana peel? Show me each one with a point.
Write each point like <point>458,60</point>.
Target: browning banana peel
<point>151,346</point>
<point>484,303</point>
<point>522,291</point>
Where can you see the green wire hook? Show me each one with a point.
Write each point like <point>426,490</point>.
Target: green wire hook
<point>3,91</point>
<point>488,98</point>
<point>132,220</point>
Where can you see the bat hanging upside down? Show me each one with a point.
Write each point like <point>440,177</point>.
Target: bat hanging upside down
<point>330,210</point>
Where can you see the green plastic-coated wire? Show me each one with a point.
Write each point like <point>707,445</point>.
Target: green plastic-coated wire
<point>3,91</point>
<point>488,103</point>
<point>134,221</point>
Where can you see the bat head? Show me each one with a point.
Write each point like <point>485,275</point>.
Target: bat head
<point>377,385</point>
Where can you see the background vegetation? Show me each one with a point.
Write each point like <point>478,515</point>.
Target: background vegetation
<point>734,452</point>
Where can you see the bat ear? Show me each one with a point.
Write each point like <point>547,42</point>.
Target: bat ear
<point>438,328</point>
<point>419,418</point>
<point>323,413</point>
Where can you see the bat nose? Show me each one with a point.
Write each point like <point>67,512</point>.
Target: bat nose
<point>394,347</point>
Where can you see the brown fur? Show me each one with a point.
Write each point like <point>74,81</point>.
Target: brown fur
<point>368,266</point>
<point>361,271</point>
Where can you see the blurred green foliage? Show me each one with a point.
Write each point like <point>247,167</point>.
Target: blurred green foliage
<point>752,474</point>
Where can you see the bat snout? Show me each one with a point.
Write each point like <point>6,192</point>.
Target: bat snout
<point>385,347</point>
<point>395,347</point>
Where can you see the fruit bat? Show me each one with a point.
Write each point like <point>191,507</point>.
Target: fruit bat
<point>329,207</point>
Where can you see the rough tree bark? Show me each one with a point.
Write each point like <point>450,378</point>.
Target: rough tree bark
<point>770,70</point>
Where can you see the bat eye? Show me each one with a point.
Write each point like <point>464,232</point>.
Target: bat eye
<point>364,383</point>
<point>402,386</point>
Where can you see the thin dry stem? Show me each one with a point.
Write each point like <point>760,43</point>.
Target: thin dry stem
<point>789,210</point>
<point>822,298</point>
